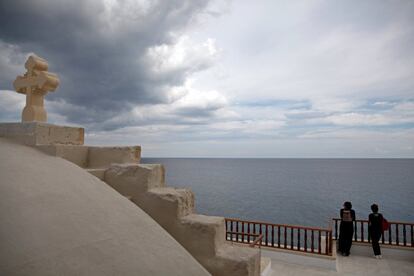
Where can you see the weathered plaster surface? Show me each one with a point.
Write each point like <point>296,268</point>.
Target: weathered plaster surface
<point>57,219</point>
<point>203,236</point>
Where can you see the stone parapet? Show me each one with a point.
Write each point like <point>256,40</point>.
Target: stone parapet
<point>166,205</point>
<point>203,236</point>
<point>207,234</point>
<point>37,133</point>
<point>99,157</point>
<point>135,179</point>
<point>236,260</point>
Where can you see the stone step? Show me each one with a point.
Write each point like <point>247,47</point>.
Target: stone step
<point>100,157</point>
<point>201,235</point>
<point>236,260</point>
<point>94,157</point>
<point>99,173</point>
<point>166,205</point>
<point>72,153</point>
<point>135,179</point>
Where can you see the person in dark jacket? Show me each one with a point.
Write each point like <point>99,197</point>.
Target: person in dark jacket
<point>346,229</point>
<point>375,229</point>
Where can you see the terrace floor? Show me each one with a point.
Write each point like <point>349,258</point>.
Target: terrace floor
<point>352,265</point>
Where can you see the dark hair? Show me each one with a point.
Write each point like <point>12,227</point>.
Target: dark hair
<point>347,205</point>
<point>374,208</point>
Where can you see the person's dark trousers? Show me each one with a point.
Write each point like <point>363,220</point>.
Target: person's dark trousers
<point>375,243</point>
<point>345,237</point>
<point>348,243</point>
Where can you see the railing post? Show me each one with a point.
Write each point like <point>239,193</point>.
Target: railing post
<point>312,242</point>
<point>355,231</point>
<point>248,228</point>
<point>397,234</point>
<point>278,236</point>
<point>336,229</point>
<point>291,238</point>
<point>319,242</point>
<point>267,235</point>
<point>237,231</point>
<point>226,228</point>
<point>362,231</point>
<point>404,235</point>
<point>330,243</point>
<point>389,235</point>
<point>305,246</point>
<point>298,244</point>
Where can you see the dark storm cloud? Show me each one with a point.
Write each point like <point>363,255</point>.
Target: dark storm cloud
<point>97,52</point>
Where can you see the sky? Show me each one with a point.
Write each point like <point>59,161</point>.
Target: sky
<point>195,78</point>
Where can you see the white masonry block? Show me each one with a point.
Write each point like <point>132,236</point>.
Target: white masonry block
<point>99,157</point>
<point>35,133</point>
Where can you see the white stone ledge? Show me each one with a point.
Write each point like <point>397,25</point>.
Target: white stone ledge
<point>36,133</point>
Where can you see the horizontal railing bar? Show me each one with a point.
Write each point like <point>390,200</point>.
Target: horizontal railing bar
<point>280,225</point>
<point>243,233</point>
<point>390,222</point>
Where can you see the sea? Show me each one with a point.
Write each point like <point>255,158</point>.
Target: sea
<point>307,192</point>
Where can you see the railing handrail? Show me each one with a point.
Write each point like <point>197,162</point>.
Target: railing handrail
<point>282,225</point>
<point>390,222</point>
<point>314,240</point>
<point>398,233</point>
<point>297,237</point>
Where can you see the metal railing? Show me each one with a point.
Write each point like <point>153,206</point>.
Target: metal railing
<point>398,233</point>
<point>235,236</point>
<point>290,237</point>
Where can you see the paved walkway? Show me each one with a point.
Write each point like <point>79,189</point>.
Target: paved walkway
<point>352,265</point>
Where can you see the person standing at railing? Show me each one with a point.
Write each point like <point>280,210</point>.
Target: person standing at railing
<point>346,229</point>
<point>375,229</point>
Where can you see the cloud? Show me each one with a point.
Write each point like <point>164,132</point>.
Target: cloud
<point>11,105</point>
<point>215,77</point>
<point>111,56</point>
<point>184,56</point>
<point>11,60</point>
<point>316,50</point>
<point>356,119</point>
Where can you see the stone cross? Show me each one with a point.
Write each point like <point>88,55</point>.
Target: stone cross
<point>35,83</point>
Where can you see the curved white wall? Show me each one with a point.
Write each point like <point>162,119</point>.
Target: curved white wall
<point>57,219</point>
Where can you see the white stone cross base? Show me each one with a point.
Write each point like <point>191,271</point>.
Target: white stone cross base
<point>34,112</point>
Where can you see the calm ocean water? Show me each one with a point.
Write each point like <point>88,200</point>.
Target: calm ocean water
<point>295,191</point>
